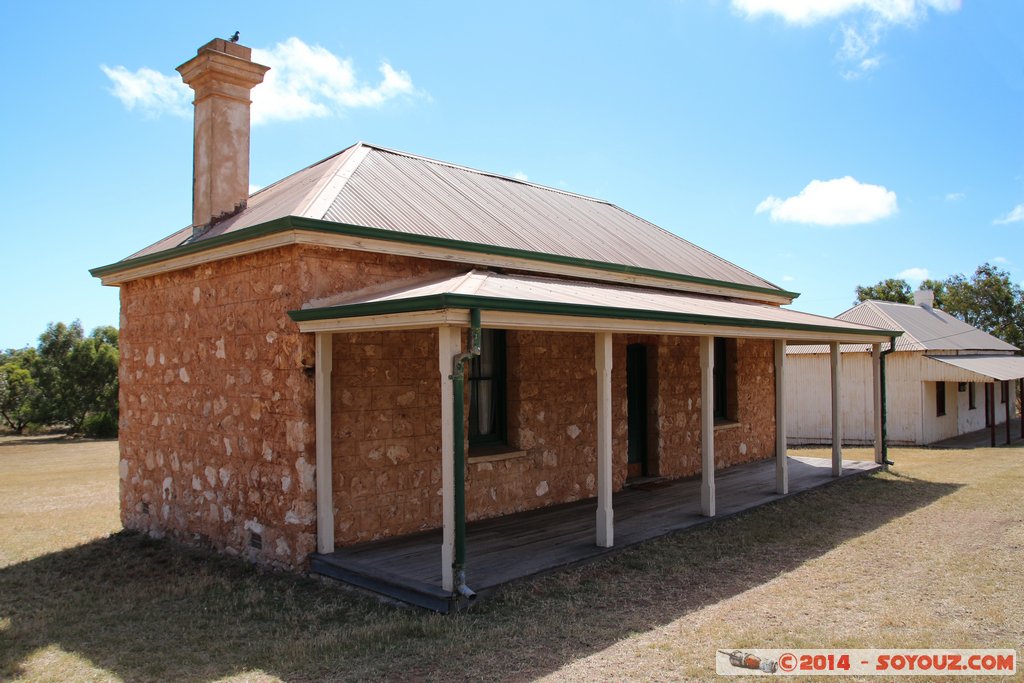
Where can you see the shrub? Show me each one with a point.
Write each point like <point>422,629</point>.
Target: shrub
<point>100,425</point>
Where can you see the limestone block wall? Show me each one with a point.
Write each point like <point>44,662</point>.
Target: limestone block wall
<point>217,406</point>
<point>753,435</point>
<point>552,419</point>
<point>387,477</point>
<point>678,437</point>
<point>386,425</point>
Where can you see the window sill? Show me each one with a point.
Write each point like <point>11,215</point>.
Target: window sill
<point>494,453</point>
<point>726,424</point>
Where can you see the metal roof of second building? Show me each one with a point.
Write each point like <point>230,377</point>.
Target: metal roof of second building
<point>379,188</point>
<point>924,329</point>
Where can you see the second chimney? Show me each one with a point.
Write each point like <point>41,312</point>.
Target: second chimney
<point>222,74</point>
<point>924,298</point>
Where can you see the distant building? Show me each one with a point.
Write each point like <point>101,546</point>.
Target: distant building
<point>944,378</point>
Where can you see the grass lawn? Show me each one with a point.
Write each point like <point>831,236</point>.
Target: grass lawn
<point>928,555</point>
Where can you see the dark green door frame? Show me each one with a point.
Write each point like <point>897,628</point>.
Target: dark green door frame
<point>636,400</point>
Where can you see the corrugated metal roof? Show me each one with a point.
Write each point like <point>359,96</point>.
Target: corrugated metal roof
<point>546,290</point>
<point>924,329</point>
<point>1000,368</point>
<point>379,188</point>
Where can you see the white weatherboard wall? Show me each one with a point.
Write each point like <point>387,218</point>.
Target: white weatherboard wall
<point>910,396</point>
<point>969,420</point>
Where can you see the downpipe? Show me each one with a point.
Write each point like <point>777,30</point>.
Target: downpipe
<point>459,385</point>
<point>881,371</point>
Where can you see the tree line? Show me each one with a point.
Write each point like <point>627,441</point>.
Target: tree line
<point>988,300</point>
<point>68,381</point>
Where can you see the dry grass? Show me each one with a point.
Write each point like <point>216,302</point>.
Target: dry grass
<point>927,556</point>
<point>55,493</point>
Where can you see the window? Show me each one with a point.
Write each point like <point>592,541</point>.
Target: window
<point>961,387</point>
<point>487,403</point>
<point>972,399</point>
<point>725,380</point>
<point>1005,391</point>
<point>940,399</point>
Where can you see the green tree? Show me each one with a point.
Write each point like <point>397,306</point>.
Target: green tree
<point>989,300</point>
<point>893,289</point>
<point>19,392</point>
<point>77,375</point>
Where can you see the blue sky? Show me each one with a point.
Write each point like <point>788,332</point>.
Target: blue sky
<point>820,144</point>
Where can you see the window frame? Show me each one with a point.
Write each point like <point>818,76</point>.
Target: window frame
<point>495,343</point>
<point>724,384</point>
<point>940,399</point>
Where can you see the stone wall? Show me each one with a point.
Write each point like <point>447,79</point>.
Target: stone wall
<point>217,420</point>
<point>216,434</point>
<point>752,436</point>
<point>387,431</point>
<point>386,424</point>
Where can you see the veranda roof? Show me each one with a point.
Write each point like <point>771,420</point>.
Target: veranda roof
<point>535,302</point>
<point>999,368</point>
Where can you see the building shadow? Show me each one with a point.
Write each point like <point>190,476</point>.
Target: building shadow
<point>144,609</point>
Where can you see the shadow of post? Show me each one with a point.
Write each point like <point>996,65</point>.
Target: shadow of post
<point>153,610</point>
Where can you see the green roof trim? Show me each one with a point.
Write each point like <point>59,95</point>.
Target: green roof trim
<point>314,225</point>
<point>436,302</point>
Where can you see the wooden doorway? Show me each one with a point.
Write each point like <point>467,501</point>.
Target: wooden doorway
<point>636,400</point>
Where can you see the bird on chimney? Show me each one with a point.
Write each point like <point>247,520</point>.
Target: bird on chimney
<point>234,38</point>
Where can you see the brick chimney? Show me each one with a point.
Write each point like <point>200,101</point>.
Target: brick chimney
<point>924,298</point>
<point>222,74</point>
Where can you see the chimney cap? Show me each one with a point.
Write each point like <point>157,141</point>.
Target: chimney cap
<point>924,298</point>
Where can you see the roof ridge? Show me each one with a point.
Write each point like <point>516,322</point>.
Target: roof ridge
<point>323,194</point>
<point>872,305</point>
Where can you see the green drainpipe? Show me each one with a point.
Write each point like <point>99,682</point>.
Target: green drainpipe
<point>459,382</point>
<point>885,442</point>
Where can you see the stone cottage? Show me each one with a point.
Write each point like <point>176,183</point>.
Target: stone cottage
<point>382,344</point>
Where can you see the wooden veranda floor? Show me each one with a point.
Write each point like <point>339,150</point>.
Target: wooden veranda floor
<point>515,546</point>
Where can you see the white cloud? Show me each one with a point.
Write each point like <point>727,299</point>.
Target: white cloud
<point>807,12</point>
<point>842,201</point>
<point>1015,216</point>
<point>788,278</point>
<point>150,91</point>
<point>914,274</point>
<point>861,33</point>
<point>1002,260</point>
<point>858,42</point>
<point>304,81</point>
<point>955,197</point>
<point>307,81</point>
<point>253,189</point>
<point>519,175</point>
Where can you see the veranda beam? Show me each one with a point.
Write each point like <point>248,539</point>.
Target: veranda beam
<point>837,412</point>
<point>449,343</point>
<point>781,462</point>
<point>1008,392</point>
<point>707,426</point>
<point>324,455</point>
<point>876,386</point>
<point>605,514</point>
